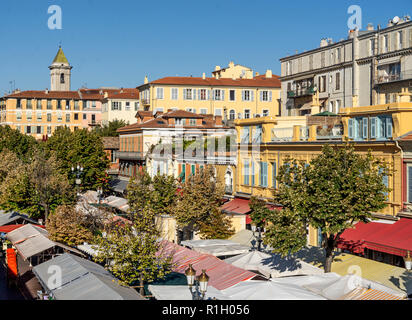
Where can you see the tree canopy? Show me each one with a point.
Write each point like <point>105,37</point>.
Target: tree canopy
<point>110,129</point>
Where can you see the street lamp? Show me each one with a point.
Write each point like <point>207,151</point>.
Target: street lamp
<point>200,284</point>
<point>78,172</point>
<point>100,194</point>
<point>257,233</point>
<point>408,261</point>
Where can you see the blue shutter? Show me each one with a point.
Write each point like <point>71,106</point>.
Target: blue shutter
<point>194,94</point>
<point>243,95</point>
<point>265,174</point>
<point>365,128</point>
<point>184,94</point>
<point>246,172</point>
<point>260,96</point>
<point>274,174</point>
<point>270,96</point>
<point>350,129</point>
<point>184,172</point>
<point>373,128</point>
<point>253,173</point>
<point>389,127</point>
<point>208,94</point>
<point>193,169</point>
<point>252,93</point>
<point>409,184</point>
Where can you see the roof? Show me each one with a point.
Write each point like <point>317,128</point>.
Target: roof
<point>124,93</point>
<point>273,82</point>
<point>82,280</point>
<point>111,142</point>
<point>9,217</point>
<point>60,57</point>
<point>222,275</point>
<point>12,227</point>
<point>216,247</point>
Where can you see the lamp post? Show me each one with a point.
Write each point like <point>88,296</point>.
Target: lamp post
<point>78,172</point>
<point>99,194</point>
<point>408,261</point>
<point>257,233</point>
<point>200,283</point>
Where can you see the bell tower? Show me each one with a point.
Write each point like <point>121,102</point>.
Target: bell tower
<point>60,72</point>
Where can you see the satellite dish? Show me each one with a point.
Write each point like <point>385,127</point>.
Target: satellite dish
<point>395,20</point>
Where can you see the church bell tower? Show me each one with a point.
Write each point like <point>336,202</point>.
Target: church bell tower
<point>60,72</point>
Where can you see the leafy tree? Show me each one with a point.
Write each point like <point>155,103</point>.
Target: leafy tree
<point>197,204</point>
<point>84,148</point>
<point>259,211</point>
<point>110,129</point>
<point>70,226</point>
<point>217,226</point>
<point>15,141</point>
<point>337,189</point>
<point>132,255</point>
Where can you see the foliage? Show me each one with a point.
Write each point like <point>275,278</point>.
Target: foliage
<point>84,148</point>
<point>70,226</point>
<point>13,140</point>
<point>338,188</point>
<point>110,129</point>
<point>259,211</point>
<point>200,196</point>
<point>217,226</point>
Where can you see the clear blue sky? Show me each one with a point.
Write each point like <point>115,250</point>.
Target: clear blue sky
<point>116,43</point>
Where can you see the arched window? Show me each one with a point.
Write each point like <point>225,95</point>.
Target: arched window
<point>62,78</point>
<point>232,115</point>
<point>228,181</point>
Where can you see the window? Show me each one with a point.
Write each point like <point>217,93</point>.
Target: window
<point>59,117</point>
<point>117,105</point>
<point>76,116</point>
<point>337,107</point>
<point>48,129</point>
<point>218,112</point>
<point>203,94</point>
<point>265,113</point>
<point>28,104</point>
<point>174,93</point>
<point>232,95</point>
<point>203,111</point>
<point>62,78</point>
<point>39,116</point>
<point>18,104</point>
<point>68,117</point>
<point>49,105</point>
<point>38,103</point>
<point>247,95</point>
<point>245,135</point>
<point>136,106</point>
<point>59,104</point>
<point>266,95</point>
<point>232,115</point>
<point>385,43</point>
<point>218,95</point>
<point>338,55</point>
<point>246,179</point>
<point>253,173</point>
<point>257,137</point>
<point>322,84</point>
<point>28,116</point>
<point>337,80</point>
<point>379,128</point>
<point>84,116</point>
<point>192,122</point>
<point>49,117</point>
<point>372,47</point>
<point>93,104</point>
<point>263,174</point>
<point>159,93</point>
<point>247,114</point>
<point>28,129</point>
<point>409,183</point>
<point>127,108</point>
<point>187,94</point>
<point>18,116</point>
<point>400,40</point>
<point>39,130</point>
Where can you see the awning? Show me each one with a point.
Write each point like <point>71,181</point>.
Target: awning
<point>306,106</point>
<point>353,239</point>
<point>12,227</point>
<point>118,185</point>
<point>389,60</point>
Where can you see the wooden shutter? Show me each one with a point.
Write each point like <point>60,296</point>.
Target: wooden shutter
<point>252,93</point>
<point>260,96</point>
<point>222,94</point>
<point>194,94</point>
<point>253,173</point>
<point>365,128</point>
<point>389,127</point>
<point>270,95</point>
<point>243,95</point>
<point>373,128</point>
<point>350,129</point>
<point>274,174</point>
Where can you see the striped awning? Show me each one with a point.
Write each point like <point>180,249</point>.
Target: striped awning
<point>370,294</point>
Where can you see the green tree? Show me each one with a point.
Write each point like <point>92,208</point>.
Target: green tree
<point>198,201</point>
<point>334,191</point>
<point>259,211</point>
<point>110,129</point>
<point>13,140</point>
<point>80,147</point>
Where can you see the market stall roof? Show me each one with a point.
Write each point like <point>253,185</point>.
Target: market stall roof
<point>244,237</point>
<point>30,240</point>
<point>390,276</point>
<point>117,202</point>
<point>12,227</point>
<point>9,217</point>
<point>182,292</point>
<point>87,248</point>
<point>222,275</point>
<point>118,185</point>
<point>82,280</point>
<point>273,265</point>
<point>216,247</point>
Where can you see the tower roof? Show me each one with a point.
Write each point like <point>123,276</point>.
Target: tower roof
<point>60,57</point>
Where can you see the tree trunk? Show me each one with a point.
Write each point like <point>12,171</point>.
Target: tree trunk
<point>328,260</point>
<point>141,283</point>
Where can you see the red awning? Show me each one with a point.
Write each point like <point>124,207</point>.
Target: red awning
<point>395,238</point>
<point>353,239</point>
<point>11,227</point>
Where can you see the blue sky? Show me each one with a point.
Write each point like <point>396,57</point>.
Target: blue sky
<point>117,43</point>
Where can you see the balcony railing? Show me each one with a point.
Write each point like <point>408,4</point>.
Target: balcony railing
<point>327,133</point>
<point>301,92</point>
<point>129,155</point>
<point>282,134</point>
<point>393,77</point>
<point>145,102</point>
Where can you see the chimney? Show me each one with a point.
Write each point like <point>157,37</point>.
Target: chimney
<point>256,74</point>
<point>217,68</point>
<point>204,76</point>
<point>370,27</point>
<point>268,73</point>
<point>46,91</point>
<point>330,41</point>
<point>231,64</point>
<point>323,42</point>
<point>390,23</point>
<point>146,80</point>
<point>105,95</point>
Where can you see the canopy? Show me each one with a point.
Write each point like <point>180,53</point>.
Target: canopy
<point>325,113</point>
<point>81,279</point>
<point>216,247</point>
<point>269,290</point>
<point>244,237</point>
<point>222,275</point>
<point>9,217</point>
<point>183,293</point>
<point>273,265</point>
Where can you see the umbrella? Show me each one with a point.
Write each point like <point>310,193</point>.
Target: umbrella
<point>269,290</point>
<point>325,113</point>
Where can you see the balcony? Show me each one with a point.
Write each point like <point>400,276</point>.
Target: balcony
<point>145,102</point>
<point>329,132</point>
<point>301,92</point>
<point>388,78</point>
<point>93,123</point>
<point>282,134</point>
<point>129,155</point>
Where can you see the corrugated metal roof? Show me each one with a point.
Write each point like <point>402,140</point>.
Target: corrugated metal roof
<point>6,218</point>
<point>82,280</point>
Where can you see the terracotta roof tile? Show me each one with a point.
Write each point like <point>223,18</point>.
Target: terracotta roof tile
<point>111,142</point>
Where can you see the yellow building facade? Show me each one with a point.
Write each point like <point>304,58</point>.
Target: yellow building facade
<point>262,152</point>
<point>233,93</point>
